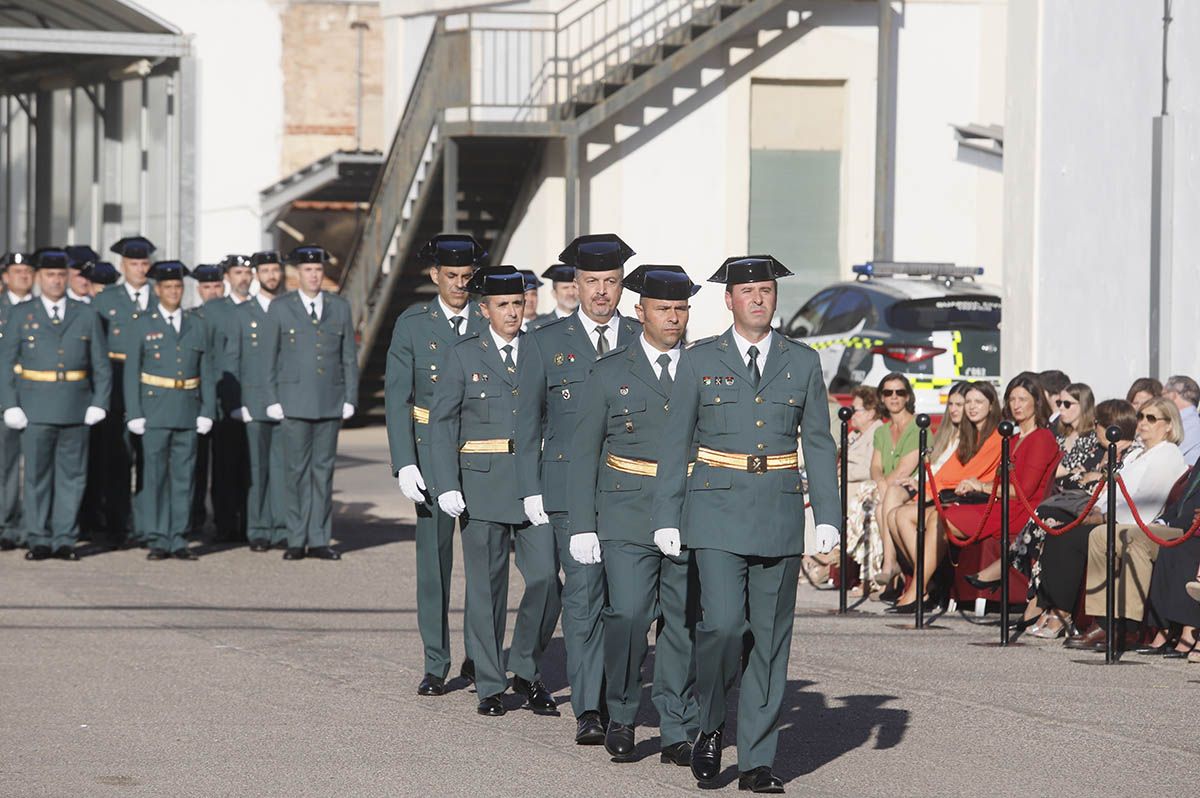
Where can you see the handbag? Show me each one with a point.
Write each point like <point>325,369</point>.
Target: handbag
<point>948,496</point>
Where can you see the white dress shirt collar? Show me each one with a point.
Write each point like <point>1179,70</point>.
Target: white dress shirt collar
<point>16,300</point>
<point>307,302</point>
<point>450,313</point>
<point>610,334</point>
<point>234,298</point>
<point>743,347</point>
<point>61,305</point>
<point>263,301</point>
<point>144,291</point>
<point>559,313</point>
<point>501,343</point>
<point>87,300</point>
<point>171,318</point>
<point>653,355</point>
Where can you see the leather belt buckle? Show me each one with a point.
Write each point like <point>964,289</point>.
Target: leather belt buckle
<point>60,376</point>
<point>756,464</point>
<point>512,449</point>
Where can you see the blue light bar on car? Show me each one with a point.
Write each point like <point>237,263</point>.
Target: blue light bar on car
<point>894,269</point>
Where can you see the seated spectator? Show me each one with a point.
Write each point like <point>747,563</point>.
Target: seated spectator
<point>1142,390</point>
<point>1076,406</point>
<point>976,459</point>
<point>1159,428</point>
<point>1171,608</point>
<point>895,457</point>
<point>1053,383</point>
<point>1185,393</point>
<point>860,488</point>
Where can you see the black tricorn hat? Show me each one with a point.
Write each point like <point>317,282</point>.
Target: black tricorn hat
<point>136,247</point>
<point>208,273</point>
<point>532,283</point>
<point>654,281</point>
<point>496,281</point>
<point>452,249</point>
<point>80,255</point>
<point>560,273</point>
<point>266,256</point>
<point>602,252</point>
<point>229,261</point>
<point>101,272</point>
<point>749,269</point>
<point>15,259</point>
<point>51,258</point>
<point>168,270</point>
<point>308,254</point>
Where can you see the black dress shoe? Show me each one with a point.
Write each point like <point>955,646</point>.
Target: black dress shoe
<point>619,742</point>
<point>7,545</point>
<point>293,554</point>
<point>1154,651</point>
<point>157,554</point>
<point>432,685</point>
<point>677,754</point>
<point>260,545</point>
<point>491,706</point>
<point>537,697</point>
<point>66,553</point>
<point>706,756</point>
<point>979,584</point>
<point>324,553</point>
<point>760,780</point>
<point>467,671</point>
<point>588,729</point>
<point>185,554</point>
<point>903,609</point>
<point>38,553</point>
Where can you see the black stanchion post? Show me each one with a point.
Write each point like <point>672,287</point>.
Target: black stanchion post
<point>1007,430</point>
<point>845,414</point>
<point>1113,433</point>
<point>922,454</point>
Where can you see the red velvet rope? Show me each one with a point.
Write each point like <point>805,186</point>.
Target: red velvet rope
<point>1056,531</point>
<point>1138,519</point>
<point>937,504</point>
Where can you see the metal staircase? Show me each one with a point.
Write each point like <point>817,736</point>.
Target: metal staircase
<point>493,88</point>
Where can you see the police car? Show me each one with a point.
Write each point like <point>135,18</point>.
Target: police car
<point>931,322</point>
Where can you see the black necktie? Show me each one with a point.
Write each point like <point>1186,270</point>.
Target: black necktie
<point>664,377</point>
<point>54,314</point>
<point>457,322</point>
<point>137,299</point>
<point>755,374</point>
<point>601,340</point>
<point>509,363</point>
<point>312,311</point>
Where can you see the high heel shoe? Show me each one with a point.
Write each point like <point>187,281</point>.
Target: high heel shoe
<point>980,584</point>
<point>884,577</point>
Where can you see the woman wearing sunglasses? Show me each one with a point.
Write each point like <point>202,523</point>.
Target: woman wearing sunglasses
<point>1149,468</point>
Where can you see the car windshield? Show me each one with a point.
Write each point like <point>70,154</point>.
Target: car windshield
<point>979,312</point>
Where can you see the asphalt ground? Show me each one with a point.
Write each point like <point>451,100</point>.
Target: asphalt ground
<point>244,675</point>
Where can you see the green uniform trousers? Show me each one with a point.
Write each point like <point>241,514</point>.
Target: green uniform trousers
<point>55,470</point>
<point>229,466</point>
<point>166,492</point>
<point>435,558</point>
<point>266,499</point>
<point>485,565</point>
<point>310,451</point>
<point>11,528</point>
<point>645,584</point>
<point>200,484</point>
<point>737,594</point>
<point>123,464</point>
<point>583,634</point>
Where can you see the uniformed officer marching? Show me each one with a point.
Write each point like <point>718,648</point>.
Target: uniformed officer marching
<point>312,387</point>
<point>473,424</point>
<point>565,292</point>
<point>741,396</point>
<point>170,398</point>
<point>119,307</point>
<point>210,286</point>
<point>562,354</point>
<point>246,359</point>
<point>620,424</point>
<point>54,383</point>
<point>422,338</point>
<point>94,513</point>
<point>17,273</point>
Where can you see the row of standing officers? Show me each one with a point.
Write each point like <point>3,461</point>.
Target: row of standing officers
<point>662,481</point>
<point>117,399</point>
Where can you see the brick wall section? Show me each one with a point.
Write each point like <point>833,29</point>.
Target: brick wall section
<point>320,52</point>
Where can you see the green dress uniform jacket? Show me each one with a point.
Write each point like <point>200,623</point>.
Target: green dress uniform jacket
<point>11,531</point>
<point>228,442</point>
<point>564,356</point>
<point>475,409</point>
<point>421,342</point>
<point>611,477</point>
<point>63,369</point>
<point>745,522</point>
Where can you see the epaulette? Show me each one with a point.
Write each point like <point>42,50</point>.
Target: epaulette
<point>707,340</point>
<point>473,336</point>
<point>551,323</point>
<point>794,341</point>
<point>614,351</point>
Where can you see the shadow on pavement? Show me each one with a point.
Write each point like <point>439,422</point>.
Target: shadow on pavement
<point>354,529</point>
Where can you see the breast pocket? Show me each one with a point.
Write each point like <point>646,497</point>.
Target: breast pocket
<point>566,389</point>
<point>786,407</point>
<point>626,417</point>
<point>477,403</point>
<point>715,403</point>
<point>709,478</point>
<point>426,372</point>
<point>611,481</point>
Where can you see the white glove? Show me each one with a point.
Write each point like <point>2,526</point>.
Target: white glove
<point>275,412</point>
<point>827,537</point>
<point>14,418</point>
<point>347,410</point>
<point>242,414</point>
<point>137,426</point>
<point>535,511</point>
<point>452,503</point>
<point>667,541</point>
<point>585,548</point>
<point>94,415</point>
<point>412,484</point>
<point>203,425</point>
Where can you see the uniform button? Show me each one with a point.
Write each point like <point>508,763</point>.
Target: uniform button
<point>791,401</point>
<point>717,400</point>
<point>318,357</point>
<point>60,351</point>
<point>618,484</point>
<point>320,371</point>
<point>483,394</point>
<point>666,407</point>
<point>762,446</point>
<point>758,400</point>
<point>706,483</point>
<point>559,457</point>
<point>433,367</point>
<point>514,411</point>
<point>758,423</point>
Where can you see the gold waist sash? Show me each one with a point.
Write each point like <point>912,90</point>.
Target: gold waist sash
<point>750,463</point>
<point>489,446</point>
<point>190,384</point>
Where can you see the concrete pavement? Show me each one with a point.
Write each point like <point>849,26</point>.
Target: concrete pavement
<point>244,675</point>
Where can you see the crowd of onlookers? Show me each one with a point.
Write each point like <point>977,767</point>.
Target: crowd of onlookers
<point>1058,459</point>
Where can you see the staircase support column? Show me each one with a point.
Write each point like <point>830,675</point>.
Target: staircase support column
<point>571,187</point>
<point>450,186</point>
<point>885,136</point>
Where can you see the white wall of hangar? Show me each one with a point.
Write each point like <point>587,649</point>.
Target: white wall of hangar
<point>91,42</point>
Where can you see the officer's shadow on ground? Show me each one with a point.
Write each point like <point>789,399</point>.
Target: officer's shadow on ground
<point>354,529</point>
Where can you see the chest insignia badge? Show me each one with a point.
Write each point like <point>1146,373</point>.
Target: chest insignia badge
<point>566,393</point>
<point>624,390</point>
<point>729,380</point>
<point>558,359</point>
